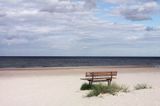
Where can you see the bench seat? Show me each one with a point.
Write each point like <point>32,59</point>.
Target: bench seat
<point>100,76</point>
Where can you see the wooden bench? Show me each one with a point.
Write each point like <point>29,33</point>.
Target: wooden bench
<point>100,77</point>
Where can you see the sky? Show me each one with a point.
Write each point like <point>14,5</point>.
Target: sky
<point>79,27</point>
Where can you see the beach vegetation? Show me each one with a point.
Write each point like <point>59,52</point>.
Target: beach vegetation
<point>112,89</point>
<point>97,89</point>
<point>124,88</point>
<point>86,86</point>
<point>142,86</point>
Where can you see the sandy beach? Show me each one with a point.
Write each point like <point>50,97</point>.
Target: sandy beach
<point>61,87</point>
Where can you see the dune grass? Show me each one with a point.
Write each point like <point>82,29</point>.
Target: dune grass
<point>86,86</point>
<point>142,86</point>
<point>97,89</point>
<point>113,89</point>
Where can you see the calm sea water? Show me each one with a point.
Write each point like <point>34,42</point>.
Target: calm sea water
<point>77,61</point>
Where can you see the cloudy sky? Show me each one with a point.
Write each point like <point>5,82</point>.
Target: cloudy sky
<point>80,27</point>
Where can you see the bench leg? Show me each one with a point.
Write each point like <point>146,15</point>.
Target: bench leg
<point>109,82</point>
<point>90,82</point>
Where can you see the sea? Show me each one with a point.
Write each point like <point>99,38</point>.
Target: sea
<point>75,61</point>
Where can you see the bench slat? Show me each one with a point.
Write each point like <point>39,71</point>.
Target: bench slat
<point>90,74</point>
<point>100,76</point>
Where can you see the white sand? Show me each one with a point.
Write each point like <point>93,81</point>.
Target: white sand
<point>51,88</point>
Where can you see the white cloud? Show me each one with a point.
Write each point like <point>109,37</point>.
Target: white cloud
<point>69,25</point>
<point>134,38</point>
<point>13,41</point>
<point>137,11</point>
<point>118,1</point>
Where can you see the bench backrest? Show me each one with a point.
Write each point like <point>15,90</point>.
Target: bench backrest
<point>101,74</point>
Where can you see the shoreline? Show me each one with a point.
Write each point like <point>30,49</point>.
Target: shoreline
<point>73,70</point>
<point>72,67</point>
